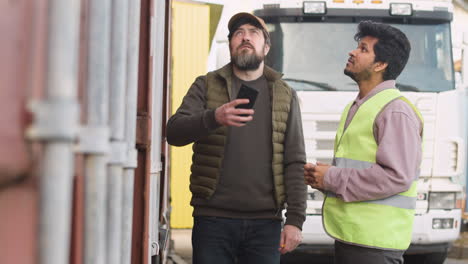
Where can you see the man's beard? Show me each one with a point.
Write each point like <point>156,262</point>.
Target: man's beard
<point>359,76</point>
<point>246,61</point>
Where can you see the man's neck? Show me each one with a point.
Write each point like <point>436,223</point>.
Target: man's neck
<point>248,75</point>
<point>367,85</point>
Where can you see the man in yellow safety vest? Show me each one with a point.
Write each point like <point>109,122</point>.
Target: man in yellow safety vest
<point>371,186</point>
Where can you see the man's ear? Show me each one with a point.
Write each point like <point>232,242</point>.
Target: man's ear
<point>266,49</point>
<point>380,66</point>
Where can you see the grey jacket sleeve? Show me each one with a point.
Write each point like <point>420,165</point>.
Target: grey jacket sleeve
<point>397,131</point>
<point>294,160</point>
<point>192,120</point>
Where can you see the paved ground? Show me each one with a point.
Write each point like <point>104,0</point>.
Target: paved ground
<point>183,251</point>
<point>182,244</point>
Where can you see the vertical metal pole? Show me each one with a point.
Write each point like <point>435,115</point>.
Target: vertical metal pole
<point>95,135</point>
<point>134,7</point>
<point>157,52</point>
<point>55,207</point>
<point>118,68</point>
<point>119,28</point>
<point>127,215</point>
<point>95,212</point>
<point>114,213</point>
<point>57,122</point>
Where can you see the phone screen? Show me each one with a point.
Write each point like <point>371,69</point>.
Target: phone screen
<point>249,93</point>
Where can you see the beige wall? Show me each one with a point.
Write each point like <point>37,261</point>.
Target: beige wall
<point>190,45</point>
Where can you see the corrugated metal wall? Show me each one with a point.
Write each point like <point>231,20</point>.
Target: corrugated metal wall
<point>190,46</point>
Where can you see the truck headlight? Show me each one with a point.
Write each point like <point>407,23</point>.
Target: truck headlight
<point>442,200</point>
<point>442,223</point>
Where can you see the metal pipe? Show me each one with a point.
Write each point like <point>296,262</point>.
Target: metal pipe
<point>157,50</point>
<point>58,131</point>
<point>118,68</point>
<point>133,44</point>
<point>133,52</point>
<point>63,43</point>
<point>127,216</point>
<point>117,124</point>
<point>114,213</point>
<point>98,63</point>
<point>95,214</point>
<point>95,136</point>
<point>55,203</point>
<point>155,246</point>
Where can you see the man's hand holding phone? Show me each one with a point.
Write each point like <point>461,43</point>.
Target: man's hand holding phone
<point>229,115</point>
<point>238,112</point>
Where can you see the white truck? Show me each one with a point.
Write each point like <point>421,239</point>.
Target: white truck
<point>310,45</point>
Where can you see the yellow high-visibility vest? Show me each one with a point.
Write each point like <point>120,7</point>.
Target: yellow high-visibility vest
<point>386,223</point>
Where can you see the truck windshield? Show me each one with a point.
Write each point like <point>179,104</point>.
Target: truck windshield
<point>312,56</point>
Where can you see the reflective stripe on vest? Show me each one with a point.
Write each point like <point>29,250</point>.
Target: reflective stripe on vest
<point>385,223</point>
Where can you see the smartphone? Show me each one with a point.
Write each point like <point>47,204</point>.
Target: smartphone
<point>248,93</point>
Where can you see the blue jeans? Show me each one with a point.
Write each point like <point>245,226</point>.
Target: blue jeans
<point>217,240</point>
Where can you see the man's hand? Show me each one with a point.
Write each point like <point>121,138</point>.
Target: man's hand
<point>290,238</point>
<point>314,174</point>
<point>229,115</point>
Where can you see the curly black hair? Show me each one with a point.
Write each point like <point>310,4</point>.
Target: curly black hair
<point>392,47</point>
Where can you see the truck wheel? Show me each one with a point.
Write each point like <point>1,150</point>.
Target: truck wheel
<point>430,258</point>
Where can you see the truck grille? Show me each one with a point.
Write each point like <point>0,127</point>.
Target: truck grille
<point>327,126</point>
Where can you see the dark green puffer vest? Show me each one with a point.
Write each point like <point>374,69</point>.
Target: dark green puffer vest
<point>208,152</point>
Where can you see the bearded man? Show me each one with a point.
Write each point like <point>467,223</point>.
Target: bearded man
<point>247,163</point>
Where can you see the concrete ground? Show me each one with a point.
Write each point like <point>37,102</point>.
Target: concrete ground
<point>182,239</point>
<point>182,253</point>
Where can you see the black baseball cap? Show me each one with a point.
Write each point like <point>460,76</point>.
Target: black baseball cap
<point>242,18</point>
